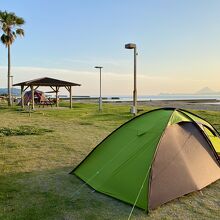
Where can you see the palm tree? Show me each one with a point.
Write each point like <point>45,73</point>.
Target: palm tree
<point>10,25</point>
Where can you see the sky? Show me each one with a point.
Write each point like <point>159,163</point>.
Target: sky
<point>178,43</point>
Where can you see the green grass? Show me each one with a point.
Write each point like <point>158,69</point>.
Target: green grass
<point>34,179</point>
<point>23,130</point>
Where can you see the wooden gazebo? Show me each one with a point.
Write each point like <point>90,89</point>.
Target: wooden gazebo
<point>54,84</point>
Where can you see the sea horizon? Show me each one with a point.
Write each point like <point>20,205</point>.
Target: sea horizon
<point>148,97</point>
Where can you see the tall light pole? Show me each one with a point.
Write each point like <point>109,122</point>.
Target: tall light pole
<point>100,92</point>
<point>11,88</point>
<point>134,107</point>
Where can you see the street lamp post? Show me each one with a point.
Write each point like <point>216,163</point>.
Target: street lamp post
<point>100,92</point>
<point>134,107</point>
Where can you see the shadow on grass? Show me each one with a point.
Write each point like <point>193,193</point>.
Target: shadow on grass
<point>14,108</point>
<point>55,194</point>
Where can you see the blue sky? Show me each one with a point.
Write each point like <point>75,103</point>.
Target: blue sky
<point>178,44</point>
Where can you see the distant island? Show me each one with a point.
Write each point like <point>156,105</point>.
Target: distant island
<point>15,91</point>
<point>203,91</point>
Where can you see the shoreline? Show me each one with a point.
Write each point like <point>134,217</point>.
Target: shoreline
<point>201,104</point>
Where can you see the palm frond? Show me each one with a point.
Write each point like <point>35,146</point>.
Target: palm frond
<point>11,19</point>
<point>19,21</point>
<point>9,24</point>
<point>6,40</point>
<point>13,33</point>
<point>20,32</point>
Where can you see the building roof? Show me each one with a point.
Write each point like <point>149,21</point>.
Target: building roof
<point>46,81</point>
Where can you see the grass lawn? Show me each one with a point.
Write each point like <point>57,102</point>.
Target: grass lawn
<point>34,179</point>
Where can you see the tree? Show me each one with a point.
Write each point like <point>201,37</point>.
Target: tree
<point>11,27</point>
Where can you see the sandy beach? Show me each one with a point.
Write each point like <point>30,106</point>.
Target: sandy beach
<point>186,104</point>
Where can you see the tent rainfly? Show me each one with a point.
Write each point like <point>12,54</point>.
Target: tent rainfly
<point>154,158</point>
<point>55,85</point>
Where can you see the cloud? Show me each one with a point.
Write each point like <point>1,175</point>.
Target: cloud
<point>93,62</point>
<point>112,83</point>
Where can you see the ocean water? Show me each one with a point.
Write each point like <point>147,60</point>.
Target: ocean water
<point>164,97</point>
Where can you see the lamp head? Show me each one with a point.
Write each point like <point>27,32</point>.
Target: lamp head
<point>130,46</point>
<point>98,67</point>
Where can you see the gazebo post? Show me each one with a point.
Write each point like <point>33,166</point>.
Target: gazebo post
<point>71,100</point>
<point>57,90</point>
<point>22,96</point>
<point>32,96</point>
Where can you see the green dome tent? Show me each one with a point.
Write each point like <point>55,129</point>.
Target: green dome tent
<point>154,158</point>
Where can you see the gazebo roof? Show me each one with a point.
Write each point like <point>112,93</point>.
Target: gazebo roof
<point>46,81</point>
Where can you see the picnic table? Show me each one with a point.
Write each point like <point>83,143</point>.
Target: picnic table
<point>46,102</point>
